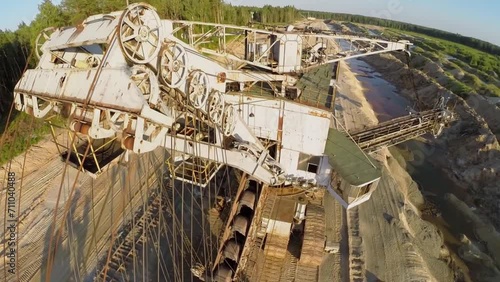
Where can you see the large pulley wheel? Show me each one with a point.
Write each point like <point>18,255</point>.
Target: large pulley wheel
<point>139,32</point>
<point>216,107</point>
<point>43,37</point>
<point>198,89</point>
<point>146,81</point>
<point>228,120</point>
<point>173,65</point>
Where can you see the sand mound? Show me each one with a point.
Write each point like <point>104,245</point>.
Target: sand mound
<point>313,24</point>
<point>433,70</point>
<point>489,112</point>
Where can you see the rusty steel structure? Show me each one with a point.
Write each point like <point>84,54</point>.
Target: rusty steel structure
<point>214,97</point>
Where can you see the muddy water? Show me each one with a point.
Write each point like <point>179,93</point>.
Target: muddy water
<point>381,95</point>
<point>433,183</point>
<point>388,104</point>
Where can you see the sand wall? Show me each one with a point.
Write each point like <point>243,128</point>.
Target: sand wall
<point>388,239</point>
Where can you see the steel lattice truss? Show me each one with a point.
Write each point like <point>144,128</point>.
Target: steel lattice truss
<point>300,51</point>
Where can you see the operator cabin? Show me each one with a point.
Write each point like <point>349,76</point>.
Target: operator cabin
<point>307,146</point>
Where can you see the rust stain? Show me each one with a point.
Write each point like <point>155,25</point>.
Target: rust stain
<point>279,135</point>
<point>318,114</point>
<point>221,77</point>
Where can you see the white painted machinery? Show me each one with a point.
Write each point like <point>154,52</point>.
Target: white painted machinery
<point>213,95</point>
<point>132,78</point>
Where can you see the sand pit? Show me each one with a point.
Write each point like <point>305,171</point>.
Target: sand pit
<point>388,240</point>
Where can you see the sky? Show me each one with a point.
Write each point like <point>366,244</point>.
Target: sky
<point>16,11</point>
<point>479,18</point>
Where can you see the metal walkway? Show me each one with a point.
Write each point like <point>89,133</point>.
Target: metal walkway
<point>399,130</point>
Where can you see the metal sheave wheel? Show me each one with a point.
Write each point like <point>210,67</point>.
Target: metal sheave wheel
<point>228,121</point>
<point>198,89</point>
<point>43,37</point>
<point>139,32</point>
<point>173,65</point>
<point>216,107</point>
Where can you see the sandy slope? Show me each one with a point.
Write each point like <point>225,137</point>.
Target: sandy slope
<point>388,241</point>
<point>97,207</point>
<point>471,158</point>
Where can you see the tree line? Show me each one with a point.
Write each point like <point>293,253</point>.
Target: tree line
<point>453,37</point>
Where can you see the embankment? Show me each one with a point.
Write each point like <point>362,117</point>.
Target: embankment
<point>470,153</point>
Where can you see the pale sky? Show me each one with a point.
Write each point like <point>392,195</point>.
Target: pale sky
<point>16,11</point>
<point>479,18</point>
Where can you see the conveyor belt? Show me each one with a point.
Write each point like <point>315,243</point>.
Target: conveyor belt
<point>397,130</point>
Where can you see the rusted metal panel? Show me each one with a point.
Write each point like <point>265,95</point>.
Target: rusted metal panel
<point>240,224</point>
<point>93,32</point>
<point>248,199</point>
<point>322,114</point>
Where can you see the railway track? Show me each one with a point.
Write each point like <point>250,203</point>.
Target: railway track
<point>356,253</point>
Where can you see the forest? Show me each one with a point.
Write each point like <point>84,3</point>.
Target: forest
<point>453,37</point>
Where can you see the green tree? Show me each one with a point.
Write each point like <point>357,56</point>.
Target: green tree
<point>49,15</point>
